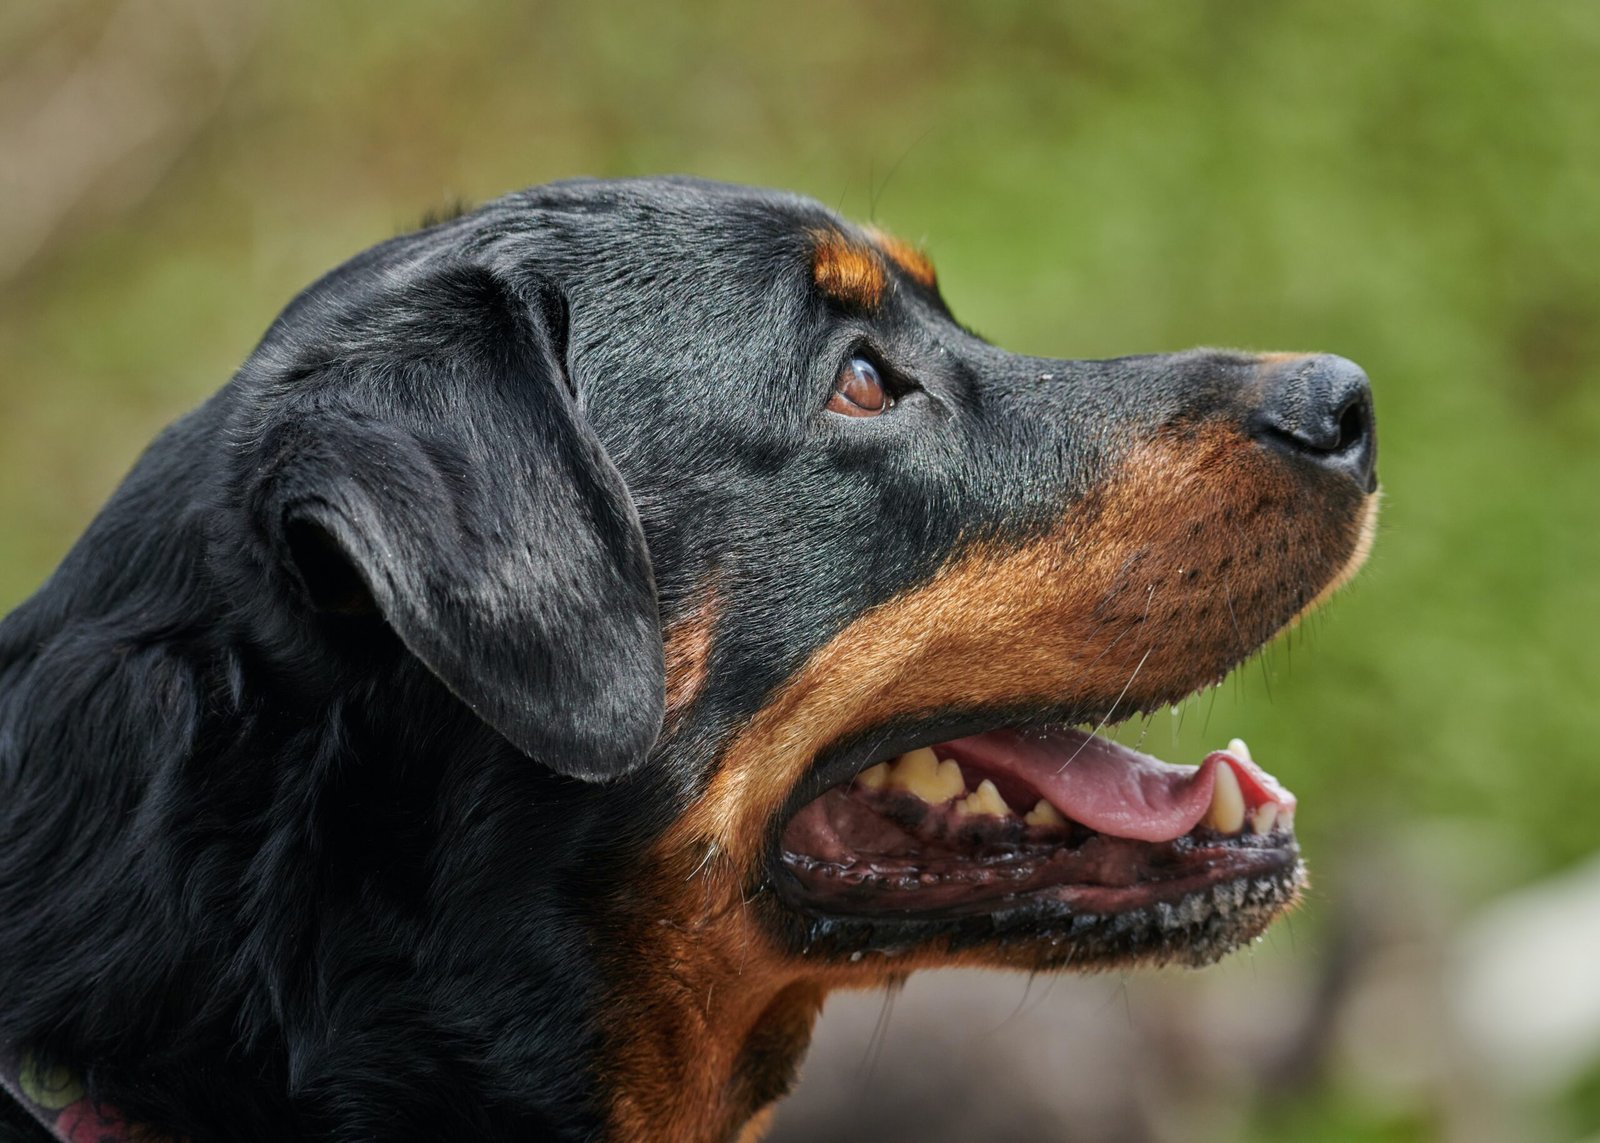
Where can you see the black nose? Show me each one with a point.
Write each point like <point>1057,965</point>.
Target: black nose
<point>1319,409</point>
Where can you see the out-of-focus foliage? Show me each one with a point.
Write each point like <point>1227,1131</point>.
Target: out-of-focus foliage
<point>1416,186</point>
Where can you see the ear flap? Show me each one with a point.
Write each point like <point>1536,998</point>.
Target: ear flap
<point>440,462</point>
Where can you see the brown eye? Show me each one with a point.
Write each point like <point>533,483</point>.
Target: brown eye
<point>858,391</point>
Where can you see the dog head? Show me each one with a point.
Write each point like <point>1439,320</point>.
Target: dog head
<point>676,537</point>
<point>704,491</point>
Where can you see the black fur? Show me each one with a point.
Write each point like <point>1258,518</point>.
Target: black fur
<point>326,746</point>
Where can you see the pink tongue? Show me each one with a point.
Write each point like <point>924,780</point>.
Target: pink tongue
<point>1111,788</point>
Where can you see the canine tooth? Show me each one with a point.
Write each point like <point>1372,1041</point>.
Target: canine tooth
<point>921,773</point>
<point>1265,817</point>
<point>1286,819</point>
<point>985,800</point>
<point>874,777</point>
<point>1226,814</point>
<point>1239,750</point>
<point>1044,814</point>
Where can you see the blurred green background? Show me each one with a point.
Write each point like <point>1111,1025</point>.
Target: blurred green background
<point>1415,186</point>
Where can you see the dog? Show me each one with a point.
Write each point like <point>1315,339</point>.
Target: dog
<point>588,630</point>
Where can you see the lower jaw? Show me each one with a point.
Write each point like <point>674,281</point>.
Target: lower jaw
<point>1103,875</point>
<point>1218,898</point>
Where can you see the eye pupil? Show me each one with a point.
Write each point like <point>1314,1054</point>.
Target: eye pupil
<point>859,391</point>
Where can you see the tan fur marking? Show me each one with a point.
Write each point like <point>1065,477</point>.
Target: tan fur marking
<point>1358,557</point>
<point>705,975</point>
<point>903,254</point>
<point>756,1130</point>
<point>687,650</point>
<point>848,271</point>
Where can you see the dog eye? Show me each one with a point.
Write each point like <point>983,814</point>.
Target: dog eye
<point>859,391</point>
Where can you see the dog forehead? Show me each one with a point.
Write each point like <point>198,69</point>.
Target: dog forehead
<point>677,193</point>
<point>676,282</point>
<point>665,232</point>
<point>667,221</point>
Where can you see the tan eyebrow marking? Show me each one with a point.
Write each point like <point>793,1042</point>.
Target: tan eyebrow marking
<point>847,270</point>
<point>912,261</point>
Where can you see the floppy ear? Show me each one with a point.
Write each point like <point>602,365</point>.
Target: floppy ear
<point>435,461</point>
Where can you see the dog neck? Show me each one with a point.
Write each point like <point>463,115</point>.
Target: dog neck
<point>713,1020</point>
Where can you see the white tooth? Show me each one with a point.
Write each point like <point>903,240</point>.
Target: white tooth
<point>1239,750</point>
<point>1265,817</point>
<point>1226,814</point>
<point>1286,819</point>
<point>921,773</point>
<point>1044,814</point>
<point>985,800</point>
<point>874,777</point>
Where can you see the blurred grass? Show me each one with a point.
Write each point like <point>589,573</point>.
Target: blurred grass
<point>1413,186</point>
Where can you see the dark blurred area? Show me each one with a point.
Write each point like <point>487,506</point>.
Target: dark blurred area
<point>1414,186</point>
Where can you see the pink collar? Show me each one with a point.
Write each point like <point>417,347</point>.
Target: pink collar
<point>56,1098</point>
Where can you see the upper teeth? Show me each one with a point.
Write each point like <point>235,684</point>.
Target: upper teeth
<point>921,773</point>
<point>924,774</point>
<point>1229,812</point>
<point>874,777</point>
<point>1226,814</point>
<point>986,800</point>
<point>1044,814</point>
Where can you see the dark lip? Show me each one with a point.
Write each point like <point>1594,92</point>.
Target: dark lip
<point>1039,933</point>
<point>1209,862</point>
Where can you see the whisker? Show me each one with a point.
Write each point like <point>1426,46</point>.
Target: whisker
<point>880,1033</point>
<point>1115,703</point>
<point>711,851</point>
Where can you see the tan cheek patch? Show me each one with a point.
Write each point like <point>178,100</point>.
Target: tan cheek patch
<point>1160,583</point>
<point>847,271</point>
<point>1124,590</point>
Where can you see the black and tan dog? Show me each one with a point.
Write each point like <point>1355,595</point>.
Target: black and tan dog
<point>504,710</point>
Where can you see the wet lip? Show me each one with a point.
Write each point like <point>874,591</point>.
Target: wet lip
<point>974,822</point>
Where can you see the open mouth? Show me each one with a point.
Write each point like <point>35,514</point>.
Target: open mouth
<point>1060,824</point>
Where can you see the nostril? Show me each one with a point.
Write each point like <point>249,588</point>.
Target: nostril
<point>1324,436</point>
<point>1320,410</point>
<point>1353,424</point>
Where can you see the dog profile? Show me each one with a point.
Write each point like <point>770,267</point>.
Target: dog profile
<point>587,631</point>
